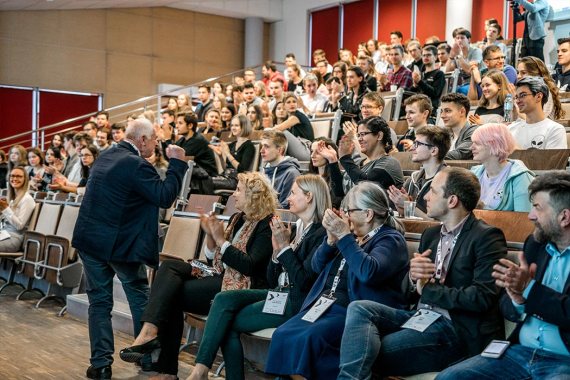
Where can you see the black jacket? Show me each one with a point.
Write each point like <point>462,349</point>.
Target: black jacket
<point>469,292</point>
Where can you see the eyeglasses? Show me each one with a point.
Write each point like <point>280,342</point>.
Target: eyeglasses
<point>362,134</point>
<point>367,107</point>
<point>417,144</point>
<point>347,211</point>
<point>522,95</point>
<point>496,58</point>
<point>16,176</point>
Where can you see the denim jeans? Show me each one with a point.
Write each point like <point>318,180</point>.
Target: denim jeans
<point>99,275</point>
<point>373,338</point>
<point>517,363</point>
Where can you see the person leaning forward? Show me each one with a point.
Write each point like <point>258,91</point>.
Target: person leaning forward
<point>117,232</point>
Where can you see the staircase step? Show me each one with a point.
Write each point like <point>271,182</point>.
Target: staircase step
<point>78,308</point>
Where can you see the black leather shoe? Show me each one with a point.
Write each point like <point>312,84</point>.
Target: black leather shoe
<point>102,373</point>
<point>134,354</point>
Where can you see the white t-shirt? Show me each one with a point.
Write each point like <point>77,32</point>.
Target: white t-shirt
<point>317,104</point>
<point>545,134</point>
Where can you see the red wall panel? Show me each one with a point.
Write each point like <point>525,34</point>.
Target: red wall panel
<point>56,107</point>
<point>16,111</point>
<point>358,24</point>
<point>430,19</point>
<point>324,33</point>
<point>482,10</point>
<point>394,15</point>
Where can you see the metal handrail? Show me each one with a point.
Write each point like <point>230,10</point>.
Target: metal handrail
<point>144,100</point>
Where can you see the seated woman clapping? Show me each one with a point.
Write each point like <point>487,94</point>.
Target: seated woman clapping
<point>504,182</point>
<point>363,257</point>
<point>239,256</point>
<point>289,274</point>
<point>15,211</point>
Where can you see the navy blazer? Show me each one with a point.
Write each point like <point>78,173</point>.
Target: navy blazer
<point>118,218</point>
<point>543,302</point>
<point>469,292</point>
<point>375,271</point>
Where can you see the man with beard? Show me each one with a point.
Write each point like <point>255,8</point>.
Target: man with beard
<point>536,295</point>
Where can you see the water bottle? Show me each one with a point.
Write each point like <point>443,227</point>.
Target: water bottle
<point>508,107</point>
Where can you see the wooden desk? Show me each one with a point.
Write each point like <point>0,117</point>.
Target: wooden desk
<point>467,164</point>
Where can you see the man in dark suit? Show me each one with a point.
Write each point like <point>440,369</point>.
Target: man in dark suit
<point>457,301</point>
<point>117,231</point>
<point>537,294</point>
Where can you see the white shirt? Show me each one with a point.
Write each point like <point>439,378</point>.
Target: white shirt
<point>545,134</point>
<point>317,104</point>
<point>16,218</point>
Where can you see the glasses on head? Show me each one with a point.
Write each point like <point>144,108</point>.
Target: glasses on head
<point>18,176</point>
<point>347,211</point>
<point>368,107</point>
<point>362,134</point>
<point>417,144</point>
<point>522,95</point>
<point>496,58</point>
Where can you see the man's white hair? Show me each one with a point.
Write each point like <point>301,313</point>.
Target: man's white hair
<point>139,128</point>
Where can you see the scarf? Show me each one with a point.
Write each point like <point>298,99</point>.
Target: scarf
<point>233,279</point>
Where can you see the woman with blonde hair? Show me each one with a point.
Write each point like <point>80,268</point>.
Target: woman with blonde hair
<point>504,182</point>
<point>495,88</point>
<point>15,211</point>
<point>239,257</point>
<point>219,101</point>
<point>289,274</point>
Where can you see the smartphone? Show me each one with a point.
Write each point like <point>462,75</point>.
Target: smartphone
<point>496,349</point>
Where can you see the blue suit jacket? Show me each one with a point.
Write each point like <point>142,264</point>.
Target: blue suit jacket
<point>118,218</point>
<point>375,271</point>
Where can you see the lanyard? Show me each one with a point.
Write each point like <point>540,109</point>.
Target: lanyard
<point>337,277</point>
<point>365,240</point>
<point>439,259</point>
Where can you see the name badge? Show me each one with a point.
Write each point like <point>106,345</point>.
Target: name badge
<point>275,303</point>
<point>421,320</point>
<point>4,235</point>
<point>319,308</point>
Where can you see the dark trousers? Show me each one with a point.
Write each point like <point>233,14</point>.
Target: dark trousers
<point>533,48</point>
<point>234,312</point>
<point>99,276</point>
<point>173,292</point>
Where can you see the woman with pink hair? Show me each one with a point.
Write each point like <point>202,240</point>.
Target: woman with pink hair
<point>504,182</point>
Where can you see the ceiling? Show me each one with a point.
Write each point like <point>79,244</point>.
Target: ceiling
<point>269,10</point>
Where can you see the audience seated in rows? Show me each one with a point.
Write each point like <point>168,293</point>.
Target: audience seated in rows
<point>428,79</point>
<point>561,74</point>
<point>418,110</point>
<point>491,107</point>
<point>456,314</point>
<point>289,275</point>
<point>535,294</point>
<point>454,111</point>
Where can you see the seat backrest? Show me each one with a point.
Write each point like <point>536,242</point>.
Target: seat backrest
<point>201,203</point>
<point>400,127</point>
<point>67,221</point>
<point>48,218</point>
<point>405,160</point>
<point>219,166</point>
<point>182,238</point>
<point>34,217</point>
<point>256,157</point>
<point>388,108</point>
<point>322,127</point>
<point>467,164</point>
<point>543,159</point>
<point>515,225</point>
